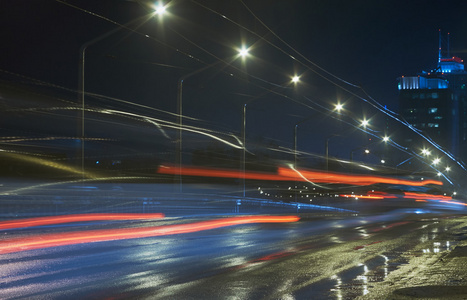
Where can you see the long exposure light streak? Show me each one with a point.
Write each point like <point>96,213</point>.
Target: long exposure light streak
<point>40,221</point>
<point>362,196</point>
<point>286,174</point>
<point>47,163</point>
<point>421,196</point>
<point>159,123</point>
<point>79,237</point>
<point>317,176</point>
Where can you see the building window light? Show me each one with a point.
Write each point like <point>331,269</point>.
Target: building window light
<point>432,110</point>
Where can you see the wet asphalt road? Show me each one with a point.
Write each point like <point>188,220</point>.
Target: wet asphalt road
<point>325,255</point>
<point>319,257</point>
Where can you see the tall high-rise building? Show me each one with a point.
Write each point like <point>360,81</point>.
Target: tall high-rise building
<point>435,103</point>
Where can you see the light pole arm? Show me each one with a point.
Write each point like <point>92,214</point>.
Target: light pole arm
<point>178,158</point>
<point>82,60</point>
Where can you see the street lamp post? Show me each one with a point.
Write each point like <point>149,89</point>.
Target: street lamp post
<point>81,85</point>
<point>244,147</point>
<point>180,118</point>
<point>326,149</point>
<point>244,111</point>
<point>81,82</point>
<point>295,138</point>
<point>243,53</point>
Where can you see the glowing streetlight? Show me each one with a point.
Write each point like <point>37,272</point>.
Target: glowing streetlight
<point>295,79</point>
<point>448,169</point>
<point>243,52</point>
<point>436,161</point>
<point>159,9</point>
<point>426,152</point>
<point>339,107</point>
<point>365,123</point>
<point>386,139</point>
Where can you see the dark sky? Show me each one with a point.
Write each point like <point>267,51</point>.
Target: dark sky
<point>364,42</point>
<point>368,43</point>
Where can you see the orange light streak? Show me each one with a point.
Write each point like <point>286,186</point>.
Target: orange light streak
<point>75,218</point>
<point>223,173</point>
<point>362,196</point>
<point>421,196</point>
<point>454,202</point>
<point>92,236</point>
<point>285,174</point>
<point>328,177</point>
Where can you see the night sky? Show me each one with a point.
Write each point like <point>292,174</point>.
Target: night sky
<point>366,43</point>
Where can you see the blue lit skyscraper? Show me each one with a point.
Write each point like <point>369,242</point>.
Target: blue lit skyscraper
<point>435,103</point>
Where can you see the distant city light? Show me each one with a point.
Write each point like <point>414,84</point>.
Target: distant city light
<point>436,161</point>
<point>295,79</point>
<point>385,139</point>
<point>339,107</point>
<point>365,123</point>
<point>448,169</point>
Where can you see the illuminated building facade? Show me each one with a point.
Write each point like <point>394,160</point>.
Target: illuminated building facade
<point>436,103</point>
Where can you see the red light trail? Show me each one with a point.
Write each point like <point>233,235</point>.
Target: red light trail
<point>16,224</point>
<point>285,174</point>
<point>421,196</point>
<point>79,237</point>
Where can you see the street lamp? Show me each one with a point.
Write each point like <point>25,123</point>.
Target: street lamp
<point>81,78</point>
<point>367,151</point>
<point>295,79</point>
<point>326,149</point>
<point>180,118</point>
<point>244,142</point>
<point>426,152</point>
<point>295,138</point>
<point>243,52</point>
<point>159,9</point>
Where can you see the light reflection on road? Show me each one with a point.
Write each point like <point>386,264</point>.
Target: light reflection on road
<point>244,255</point>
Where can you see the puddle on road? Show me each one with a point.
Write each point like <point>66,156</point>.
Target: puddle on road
<point>357,281</point>
<point>353,282</point>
